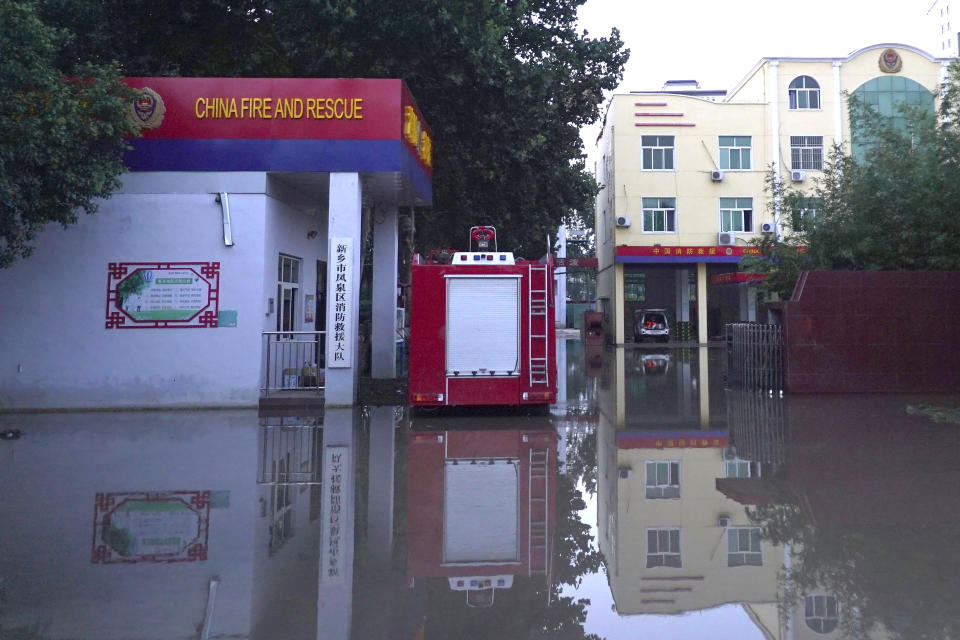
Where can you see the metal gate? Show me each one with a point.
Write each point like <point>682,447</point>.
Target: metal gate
<point>755,357</point>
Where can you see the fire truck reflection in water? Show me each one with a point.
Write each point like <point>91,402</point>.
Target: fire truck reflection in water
<point>480,508</point>
<point>481,327</point>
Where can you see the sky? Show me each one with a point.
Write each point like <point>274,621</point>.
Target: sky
<point>717,42</point>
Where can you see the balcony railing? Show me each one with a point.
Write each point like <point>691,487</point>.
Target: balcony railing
<point>293,361</point>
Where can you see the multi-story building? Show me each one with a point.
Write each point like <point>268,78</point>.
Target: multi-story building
<point>683,174</point>
<point>945,27</point>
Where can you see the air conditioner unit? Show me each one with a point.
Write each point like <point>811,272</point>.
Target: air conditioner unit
<point>623,221</point>
<point>716,176</point>
<point>723,522</point>
<point>798,176</point>
<point>625,473</point>
<point>768,227</point>
<point>730,453</point>
<point>726,239</point>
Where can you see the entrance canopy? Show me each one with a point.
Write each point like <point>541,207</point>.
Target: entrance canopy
<point>296,125</point>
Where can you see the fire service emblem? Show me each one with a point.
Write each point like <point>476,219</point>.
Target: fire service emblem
<point>890,61</point>
<point>148,108</point>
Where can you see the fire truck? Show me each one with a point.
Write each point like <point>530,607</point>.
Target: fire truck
<point>481,507</point>
<point>481,327</point>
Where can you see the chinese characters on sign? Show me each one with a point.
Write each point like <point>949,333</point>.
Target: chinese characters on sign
<point>339,344</point>
<point>336,467</point>
<point>160,526</point>
<point>162,294</point>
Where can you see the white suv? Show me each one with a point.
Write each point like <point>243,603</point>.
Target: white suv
<point>651,323</point>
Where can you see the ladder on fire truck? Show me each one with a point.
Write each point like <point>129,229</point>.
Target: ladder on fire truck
<point>538,485</point>
<point>538,343</point>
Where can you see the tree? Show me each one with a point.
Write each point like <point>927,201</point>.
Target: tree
<point>504,85</point>
<point>890,203</point>
<point>61,134</point>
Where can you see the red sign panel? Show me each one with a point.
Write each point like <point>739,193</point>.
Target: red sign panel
<point>162,526</point>
<point>736,277</point>
<point>687,251</point>
<point>162,295</point>
<point>281,108</point>
<point>576,262</point>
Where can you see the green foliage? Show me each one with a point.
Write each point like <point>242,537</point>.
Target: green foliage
<point>504,85</point>
<point>62,130</point>
<point>935,413</point>
<point>894,209</point>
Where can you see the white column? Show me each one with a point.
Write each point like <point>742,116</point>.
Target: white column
<point>560,280</point>
<point>702,302</point>
<point>343,222</point>
<point>837,104</point>
<point>683,295</point>
<point>379,550</point>
<point>773,103</point>
<point>751,304</point>
<point>335,589</point>
<point>703,386</point>
<point>383,334</point>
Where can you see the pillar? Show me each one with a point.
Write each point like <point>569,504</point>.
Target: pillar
<point>343,307</point>
<point>383,334</point>
<point>335,588</point>
<point>703,386</point>
<point>560,280</point>
<point>702,302</point>
<point>748,303</point>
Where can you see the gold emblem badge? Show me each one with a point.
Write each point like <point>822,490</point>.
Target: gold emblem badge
<point>148,108</point>
<point>890,61</point>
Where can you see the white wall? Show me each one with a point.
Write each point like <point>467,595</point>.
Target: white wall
<point>54,349</point>
<point>51,477</point>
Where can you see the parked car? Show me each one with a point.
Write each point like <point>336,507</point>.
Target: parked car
<point>650,324</point>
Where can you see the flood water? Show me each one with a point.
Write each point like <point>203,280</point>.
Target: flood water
<point>652,501</point>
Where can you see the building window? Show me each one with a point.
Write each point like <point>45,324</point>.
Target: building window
<point>804,213</point>
<point>804,93</point>
<point>288,286</point>
<point>734,152</point>
<point>657,152</point>
<point>663,548</point>
<point>806,153</point>
<point>821,612</point>
<point>743,547</point>
<point>635,287</point>
<point>888,95</point>
<point>663,478</point>
<point>738,468</point>
<point>659,215</point>
<point>736,214</point>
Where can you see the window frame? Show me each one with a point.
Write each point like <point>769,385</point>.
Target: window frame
<point>657,145</point>
<point>669,214</point>
<point>737,207</point>
<point>797,145</point>
<point>740,551</point>
<point>663,555</point>
<point>811,207</point>
<point>739,463</point>
<point>665,490</point>
<point>739,148</point>
<point>828,623</point>
<point>794,93</point>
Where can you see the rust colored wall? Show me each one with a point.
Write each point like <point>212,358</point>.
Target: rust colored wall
<point>873,331</point>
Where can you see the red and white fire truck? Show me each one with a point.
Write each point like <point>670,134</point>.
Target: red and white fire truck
<point>481,507</point>
<point>481,327</point>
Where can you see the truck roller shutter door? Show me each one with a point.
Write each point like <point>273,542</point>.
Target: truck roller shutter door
<point>483,325</point>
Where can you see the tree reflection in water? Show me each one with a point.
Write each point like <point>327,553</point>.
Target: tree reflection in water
<point>868,504</point>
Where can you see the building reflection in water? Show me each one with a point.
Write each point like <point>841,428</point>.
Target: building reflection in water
<point>824,517</point>
<point>821,516</point>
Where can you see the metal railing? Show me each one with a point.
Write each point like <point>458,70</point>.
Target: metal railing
<point>755,357</point>
<point>757,425</point>
<point>289,455</point>
<point>293,360</point>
